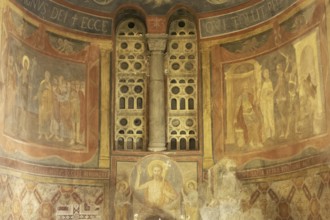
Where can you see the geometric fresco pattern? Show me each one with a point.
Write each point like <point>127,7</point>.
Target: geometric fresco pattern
<point>304,197</point>
<point>22,199</point>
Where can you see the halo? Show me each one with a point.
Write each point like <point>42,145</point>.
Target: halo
<point>26,59</point>
<point>122,182</point>
<point>154,163</point>
<point>191,182</point>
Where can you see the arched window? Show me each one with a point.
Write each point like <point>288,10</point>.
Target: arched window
<point>173,144</point>
<point>130,72</point>
<point>131,78</point>
<point>182,144</point>
<point>182,81</point>
<point>174,104</point>
<point>192,144</point>
<point>120,143</point>
<point>122,104</point>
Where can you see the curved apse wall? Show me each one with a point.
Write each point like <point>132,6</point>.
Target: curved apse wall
<point>56,160</point>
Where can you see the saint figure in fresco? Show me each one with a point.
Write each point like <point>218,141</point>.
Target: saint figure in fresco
<point>62,109</point>
<point>55,117</point>
<point>190,200</point>
<point>22,94</point>
<point>11,85</point>
<point>122,201</point>
<point>310,90</point>
<point>158,192</point>
<point>293,102</point>
<point>45,99</point>
<point>75,112</point>
<point>267,106</point>
<point>280,96</point>
<point>247,117</point>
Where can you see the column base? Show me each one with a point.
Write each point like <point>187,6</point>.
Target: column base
<point>156,147</point>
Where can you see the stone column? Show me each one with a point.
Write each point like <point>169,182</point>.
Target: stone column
<point>105,105</point>
<point>207,114</point>
<point>157,45</point>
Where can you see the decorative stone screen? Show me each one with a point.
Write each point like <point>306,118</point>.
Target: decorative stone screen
<point>131,72</point>
<point>182,69</point>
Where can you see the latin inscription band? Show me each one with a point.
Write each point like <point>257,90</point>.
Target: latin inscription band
<point>224,24</point>
<point>66,17</point>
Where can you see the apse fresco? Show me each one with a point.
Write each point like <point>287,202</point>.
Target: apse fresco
<point>156,186</point>
<point>45,101</point>
<point>275,98</point>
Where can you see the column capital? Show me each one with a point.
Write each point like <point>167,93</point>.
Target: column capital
<point>105,47</point>
<point>105,53</point>
<point>157,42</point>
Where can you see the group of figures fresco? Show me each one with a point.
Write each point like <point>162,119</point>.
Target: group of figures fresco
<point>45,98</point>
<point>156,192</point>
<point>275,98</point>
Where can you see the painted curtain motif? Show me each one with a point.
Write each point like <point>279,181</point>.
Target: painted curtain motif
<point>45,100</point>
<point>275,98</point>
